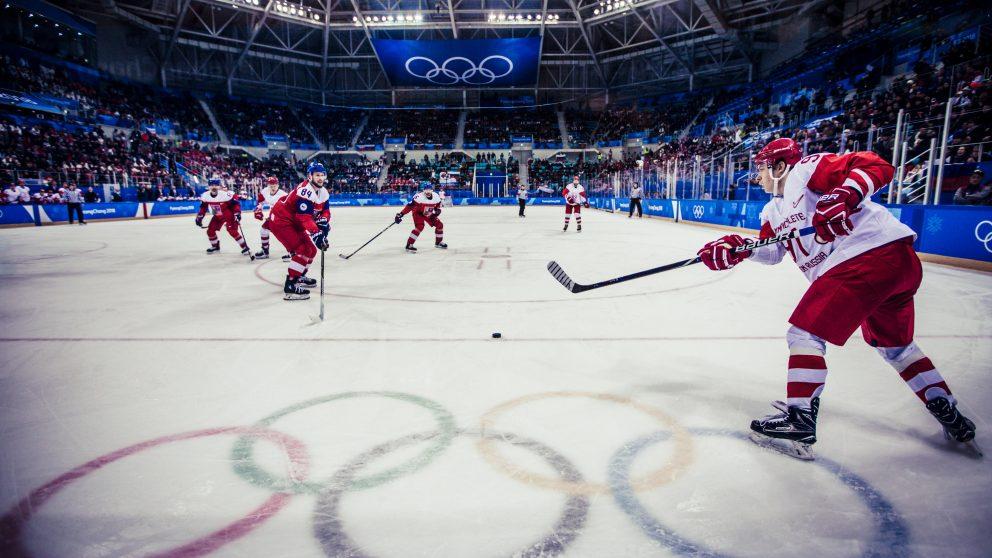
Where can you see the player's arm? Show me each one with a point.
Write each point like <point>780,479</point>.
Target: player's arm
<point>845,182</point>
<point>259,200</point>
<point>201,213</point>
<point>406,209</point>
<point>772,253</point>
<point>235,206</point>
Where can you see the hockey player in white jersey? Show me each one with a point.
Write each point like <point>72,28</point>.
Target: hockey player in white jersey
<point>266,199</point>
<point>863,272</point>
<point>575,199</point>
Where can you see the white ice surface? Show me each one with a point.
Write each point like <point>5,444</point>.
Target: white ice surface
<point>121,332</point>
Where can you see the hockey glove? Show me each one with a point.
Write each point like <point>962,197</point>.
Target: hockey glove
<point>833,213</point>
<point>320,240</point>
<point>237,217</point>
<point>258,214</point>
<point>719,255</point>
<point>199,221</point>
<point>324,225</point>
<point>398,219</point>
<point>586,205</point>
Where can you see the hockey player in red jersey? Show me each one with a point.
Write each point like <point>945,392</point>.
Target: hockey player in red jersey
<point>863,272</point>
<point>575,198</point>
<point>225,209</point>
<point>267,198</point>
<point>426,208</point>
<point>301,222</point>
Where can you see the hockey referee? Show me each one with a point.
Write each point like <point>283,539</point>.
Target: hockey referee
<point>635,201</point>
<point>522,198</point>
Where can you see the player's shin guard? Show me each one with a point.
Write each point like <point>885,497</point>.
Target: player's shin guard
<point>917,371</point>
<point>297,266</point>
<point>265,240</point>
<point>807,368</point>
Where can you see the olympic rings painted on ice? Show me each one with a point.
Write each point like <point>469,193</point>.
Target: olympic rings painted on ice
<point>246,467</point>
<point>330,530</point>
<point>13,521</point>
<point>680,459</point>
<point>451,77</point>
<point>891,536</point>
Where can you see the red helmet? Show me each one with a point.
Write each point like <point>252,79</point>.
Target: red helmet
<point>784,149</point>
<point>272,180</point>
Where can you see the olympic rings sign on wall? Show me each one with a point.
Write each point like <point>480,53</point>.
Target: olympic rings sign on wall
<point>461,70</point>
<point>891,534</point>
<point>983,232</point>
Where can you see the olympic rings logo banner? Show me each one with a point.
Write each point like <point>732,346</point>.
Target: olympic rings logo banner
<point>460,63</point>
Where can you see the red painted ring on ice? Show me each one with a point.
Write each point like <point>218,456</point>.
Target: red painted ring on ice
<point>12,522</point>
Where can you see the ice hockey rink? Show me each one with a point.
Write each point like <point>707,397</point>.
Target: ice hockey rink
<point>159,401</point>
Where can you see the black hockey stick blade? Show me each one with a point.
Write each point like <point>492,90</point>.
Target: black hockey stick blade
<point>343,257</point>
<point>559,274</point>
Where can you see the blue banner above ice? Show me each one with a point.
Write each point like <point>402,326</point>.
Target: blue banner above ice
<point>460,63</point>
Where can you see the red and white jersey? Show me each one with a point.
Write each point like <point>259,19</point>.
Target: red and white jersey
<point>266,199</point>
<point>224,203</point>
<point>302,206</point>
<point>421,205</point>
<point>813,176</point>
<point>574,194</point>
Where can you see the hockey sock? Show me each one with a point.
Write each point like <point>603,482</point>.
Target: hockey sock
<point>214,241</point>
<point>578,219</point>
<point>241,242</point>
<point>917,371</point>
<point>413,237</point>
<point>265,239</point>
<point>567,217</point>
<point>807,367</point>
<point>297,266</point>
<point>438,236</point>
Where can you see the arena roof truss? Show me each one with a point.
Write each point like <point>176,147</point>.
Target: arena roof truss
<point>321,50</point>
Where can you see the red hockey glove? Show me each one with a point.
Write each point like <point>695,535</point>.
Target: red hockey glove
<point>258,214</point>
<point>586,205</point>
<point>833,213</point>
<point>199,220</point>
<point>719,255</point>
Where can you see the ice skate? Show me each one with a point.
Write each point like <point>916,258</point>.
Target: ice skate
<point>292,290</point>
<point>578,228</point>
<point>213,249</point>
<point>262,255</point>
<point>791,431</point>
<point>410,248</point>
<point>440,245</point>
<point>956,426</point>
<point>565,228</point>
<point>287,257</point>
<point>307,282</point>
<point>245,251</point>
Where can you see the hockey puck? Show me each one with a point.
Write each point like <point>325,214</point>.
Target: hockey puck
<point>497,335</point>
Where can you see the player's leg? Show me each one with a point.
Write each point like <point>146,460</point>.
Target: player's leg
<point>216,222</point>
<point>438,232</point>
<point>578,218</point>
<point>235,231</point>
<point>293,239</point>
<point>568,216</point>
<point>890,330</point>
<point>264,252</point>
<point>418,226</point>
<point>831,310</point>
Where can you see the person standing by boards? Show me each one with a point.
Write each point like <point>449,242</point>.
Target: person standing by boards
<point>522,199</point>
<point>635,201</point>
<point>74,202</point>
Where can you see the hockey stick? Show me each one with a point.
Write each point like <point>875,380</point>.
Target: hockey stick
<point>242,231</point>
<point>367,243</point>
<point>566,281</point>
<point>322,284</point>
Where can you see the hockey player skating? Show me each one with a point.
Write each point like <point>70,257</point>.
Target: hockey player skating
<point>267,198</point>
<point>863,273</point>
<point>301,222</point>
<point>426,208</point>
<point>225,211</point>
<point>575,199</point>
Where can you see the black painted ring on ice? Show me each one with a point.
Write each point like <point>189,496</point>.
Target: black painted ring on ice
<point>329,528</point>
<point>891,533</point>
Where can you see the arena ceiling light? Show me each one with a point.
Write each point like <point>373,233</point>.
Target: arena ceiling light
<point>288,9</point>
<point>390,20</point>
<point>503,18</point>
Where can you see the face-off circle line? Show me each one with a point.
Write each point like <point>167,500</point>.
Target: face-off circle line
<point>680,460</point>
<point>246,467</point>
<point>13,521</point>
<point>891,536</point>
<point>329,529</point>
